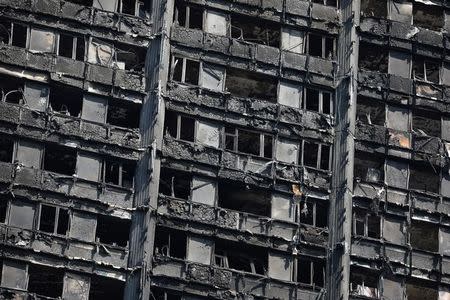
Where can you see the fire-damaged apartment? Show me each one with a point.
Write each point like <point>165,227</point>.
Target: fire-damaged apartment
<point>225,149</point>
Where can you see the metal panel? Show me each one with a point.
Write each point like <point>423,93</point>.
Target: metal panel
<point>397,118</point>
<point>444,241</point>
<point>88,166</point>
<point>400,63</point>
<point>216,23</point>
<point>94,108</point>
<point>21,215</point>
<point>401,11</point>
<point>14,275</point>
<point>199,250</point>
<point>42,40</point>
<point>83,226</point>
<point>36,95</point>
<point>76,287</point>
<point>212,77</point>
<point>208,134</point>
<point>392,289</point>
<point>290,94</point>
<point>292,40</point>
<point>109,5</point>
<point>29,154</point>
<point>287,151</point>
<point>100,53</point>
<point>396,174</point>
<point>203,191</point>
<point>280,266</point>
<point>393,231</point>
<point>282,207</point>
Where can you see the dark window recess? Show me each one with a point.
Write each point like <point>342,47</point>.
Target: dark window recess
<point>268,146</point>
<point>249,142</point>
<point>251,85</point>
<point>326,2</point>
<point>368,167</point>
<point>119,173</point>
<point>129,7</point>
<point>104,288</point>
<point>311,271</point>
<point>60,159</point>
<point>239,256</point>
<point>370,111</point>
<point>255,30</point>
<point>310,154</point>
<point>82,2</point>
<point>171,124</point>
<point>66,100</point>
<point>325,157</point>
<point>427,122</point>
<point>3,209</point>
<point>144,8</point>
<point>11,89</point>
<point>424,236</point>
<point>373,57</point>
<point>311,99</point>
<point>426,70</point>
<point>113,230</point>
<point>314,212</point>
<point>179,126</point>
<point>418,292</point>
<point>5,31</point>
<point>241,198</point>
<point>326,103</point>
<point>161,294</point>
<point>19,35</point>
<point>189,16</point>
<point>428,16</point>
<point>175,184</point>
<point>320,46</point>
<point>424,177</point>
<point>187,128</point>
<point>373,226</point>
<point>366,224</point>
<point>363,282</point>
<point>71,47</point>
<point>169,242</point>
<point>132,57</point>
<point>123,114</point>
<point>6,149</point>
<point>192,71</point>
<point>185,70</point>
<point>374,8</point>
<point>54,220</point>
<point>45,281</point>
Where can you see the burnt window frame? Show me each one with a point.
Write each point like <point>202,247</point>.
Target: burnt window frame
<point>56,219</point>
<point>424,60</point>
<point>310,200</point>
<point>325,2</point>
<point>313,262</point>
<point>75,54</point>
<point>319,155</point>
<point>187,12</point>
<point>183,69</point>
<point>120,163</point>
<point>359,214</point>
<point>321,92</point>
<point>235,137</point>
<point>323,38</point>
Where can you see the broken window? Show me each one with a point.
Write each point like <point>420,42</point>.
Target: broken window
<point>212,76</point>
<point>123,114</point>
<point>247,84</point>
<point>366,224</point>
<point>42,40</point>
<point>326,2</point>
<point>418,292</point>
<point>112,230</point>
<point>53,219</point>
<point>241,257</point>
<point>316,155</point>
<point>248,142</point>
<point>100,52</point>
<point>170,242</point>
<point>104,288</point>
<point>179,126</point>
<point>374,8</point>
<point>401,11</point>
<point>313,211</point>
<point>45,281</point>
<point>3,209</point>
<point>426,69</point>
<point>424,177</point>
<point>189,16</point>
<point>66,100</point>
<point>363,282</point>
<point>185,70</point>
<point>255,30</point>
<point>311,272</point>
<point>427,123</point>
<point>21,214</point>
<point>128,57</point>
<point>424,236</point>
<point>6,149</point>
<point>370,111</point>
<point>5,31</point>
<point>368,167</point>
<point>428,15</point>
<point>60,159</point>
<point>315,100</point>
<point>175,184</point>
<point>373,57</point>
<point>11,89</point>
<point>321,46</point>
<point>243,198</point>
<point>36,95</point>
<point>162,294</point>
<point>19,35</point>
<point>119,172</point>
<point>71,46</point>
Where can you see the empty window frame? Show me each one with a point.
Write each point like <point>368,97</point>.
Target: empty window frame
<point>128,57</point>
<point>244,199</point>
<point>363,282</point>
<point>316,155</point>
<point>3,209</point>
<point>326,2</point>
<point>11,89</point>
<point>255,30</point>
<point>373,57</point>
<point>426,69</point>
<point>13,34</point>
<point>134,7</point>
<point>310,271</point>
<point>123,113</point>
<point>316,100</point>
<point>420,292</point>
<point>112,230</point>
<point>60,159</point>
<point>105,288</point>
<point>162,294</point>
<point>45,281</point>
<point>366,224</point>
<point>71,46</point>
<point>179,126</point>
<point>374,8</point>
<point>185,70</point>
<point>54,220</point>
<point>424,177</point>
<point>174,183</point>
<point>246,84</point>
<point>241,257</point>
<point>170,242</point>
<point>368,167</point>
<point>6,149</point>
<point>428,15</point>
<point>370,111</point>
<point>119,172</point>
<point>424,236</point>
<point>66,100</point>
<point>427,122</point>
<point>188,16</point>
<point>321,46</point>
<point>248,142</point>
<point>313,211</point>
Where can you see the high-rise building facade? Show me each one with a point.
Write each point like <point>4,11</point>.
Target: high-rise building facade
<point>224,149</point>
